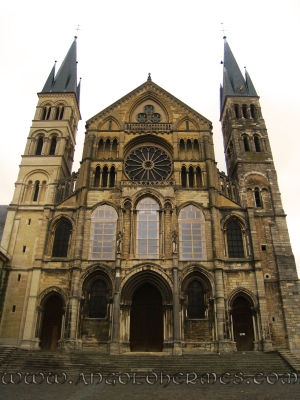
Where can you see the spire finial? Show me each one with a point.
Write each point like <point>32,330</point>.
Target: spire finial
<point>149,77</point>
<point>77,29</point>
<point>223,30</point>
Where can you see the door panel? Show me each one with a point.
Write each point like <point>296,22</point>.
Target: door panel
<point>242,324</point>
<point>146,320</point>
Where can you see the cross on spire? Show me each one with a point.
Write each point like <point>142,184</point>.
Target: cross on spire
<point>77,29</point>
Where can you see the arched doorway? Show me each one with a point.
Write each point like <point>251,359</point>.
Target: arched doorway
<point>52,321</point>
<point>242,324</point>
<point>146,319</point>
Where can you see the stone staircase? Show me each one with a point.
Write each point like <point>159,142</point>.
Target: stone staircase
<point>5,352</point>
<point>247,363</point>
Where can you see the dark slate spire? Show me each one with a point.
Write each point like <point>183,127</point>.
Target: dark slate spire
<point>249,84</point>
<point>66,77</point>
<point>234,84</point>
<point>49,82</point>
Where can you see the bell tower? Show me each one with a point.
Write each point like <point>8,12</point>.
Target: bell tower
<point>49,151</point>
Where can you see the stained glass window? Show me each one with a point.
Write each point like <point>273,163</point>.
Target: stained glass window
<point>98,301</point>
<point>103,233</point>
<point>196,307</point>
<point>192,243</point>
<point>147,243</point>
<point>234,240</point>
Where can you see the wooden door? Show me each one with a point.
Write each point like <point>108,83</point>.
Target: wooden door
<point>242,324</point>
<point>146,320</point>
<point>52,319</point>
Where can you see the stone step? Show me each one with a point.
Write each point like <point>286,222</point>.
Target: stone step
<point>5,352</point>
<point>80,361</point>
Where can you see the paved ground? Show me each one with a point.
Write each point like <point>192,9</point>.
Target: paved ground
<point>114,387</point>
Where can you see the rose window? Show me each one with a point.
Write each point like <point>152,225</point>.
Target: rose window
<point>148,163</point>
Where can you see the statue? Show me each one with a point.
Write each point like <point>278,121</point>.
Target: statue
<point>119,242</point>
<point>174,241</point>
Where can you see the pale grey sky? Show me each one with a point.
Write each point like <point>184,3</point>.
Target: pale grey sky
<point>180,43</point>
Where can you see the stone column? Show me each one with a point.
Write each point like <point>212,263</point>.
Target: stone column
<point>177,349</point>
<point>115,343</point>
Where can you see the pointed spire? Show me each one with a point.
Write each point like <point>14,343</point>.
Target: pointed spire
<point>49,82</point>
<point>234,83</point>
<point>66,77</point>
<point>78,91</point>
<point>249,84</point>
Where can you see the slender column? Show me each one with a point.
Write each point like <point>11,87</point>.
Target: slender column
<point>176,310</point>
<point>115,346</point>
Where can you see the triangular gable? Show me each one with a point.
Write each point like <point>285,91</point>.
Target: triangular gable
<point>148,85</point>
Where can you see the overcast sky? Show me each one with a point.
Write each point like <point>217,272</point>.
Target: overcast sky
<point>180,43</point>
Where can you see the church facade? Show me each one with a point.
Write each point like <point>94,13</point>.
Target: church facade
<point>148,247</point>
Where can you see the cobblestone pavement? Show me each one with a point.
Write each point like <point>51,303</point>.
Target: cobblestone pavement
<point>85,387</point>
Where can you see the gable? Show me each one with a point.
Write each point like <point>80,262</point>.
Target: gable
<point>166,107</point>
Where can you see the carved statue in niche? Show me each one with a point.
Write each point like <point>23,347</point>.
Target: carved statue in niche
<point>119,242</point>
<point>174,241</point>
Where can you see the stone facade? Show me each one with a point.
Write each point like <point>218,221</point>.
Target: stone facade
<point>148,247</point>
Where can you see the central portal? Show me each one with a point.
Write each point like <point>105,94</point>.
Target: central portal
<point>146,320</point>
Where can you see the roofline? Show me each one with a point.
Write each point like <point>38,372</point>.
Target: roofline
<point>144,85</point>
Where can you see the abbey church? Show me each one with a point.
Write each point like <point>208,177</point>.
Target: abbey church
<point>148,247</point>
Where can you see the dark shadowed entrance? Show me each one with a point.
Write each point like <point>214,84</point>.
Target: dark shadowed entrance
<point>146,320</point>
<point>52,319</point>
<point>242,324</point>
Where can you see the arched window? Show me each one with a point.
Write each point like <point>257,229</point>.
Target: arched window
<point>147,235</point>
<point>253,111</point>
<point>187,128</point>
<point>46,113</point>
<point>53,146</point>
<point>196,306</point>
<point>244,110</point>
<point>257,143</point>
<point>61,239</point>
<point>112,175</point>
<point>236,111</point>
<point>234,240</point>
<point>191,177</point>
<point>103,233</point>
<point>192,243</point>
<point>39,146</point>
<point>104,176</point>
<point>246,143</point>
<point>59,112</point>
<point>98,299</point>
<point>183,176</point>
<point>182,149</point>
<point>198,177</point>
<point>114,148</point>
<point>36,190</point>
<point>97,177</point>
<point>257,197</point>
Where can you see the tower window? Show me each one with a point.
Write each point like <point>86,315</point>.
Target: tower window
<point>246,143</point>
<point>98,301</point>
<point>257,197</point>
<point>112,175</point>
<point>234,240</point>
<point>59,112</point>
<point>97,177</point>
<point>36,190</point>
<point>253,111</point>
<point>191,177</point>
<point>53,146</point>
<point>244,110</point>
<point>61,239</point>
<point>46,113</point>
<point>196,306</point>
<point>104,176</point>
<point>236,111</point>
<point>183,176</point>
<point>198,177</point>
<point>39,146</point>
<point>257,143</point>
